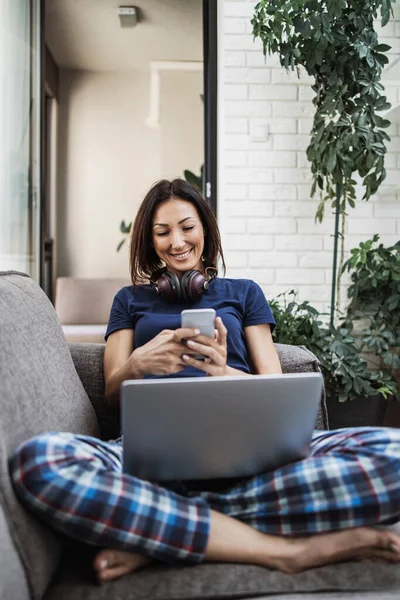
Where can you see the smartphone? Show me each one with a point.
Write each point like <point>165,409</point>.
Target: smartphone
<point>200,318</point>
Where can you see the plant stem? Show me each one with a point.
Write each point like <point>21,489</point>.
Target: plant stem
<point>341,262</point>
<point>335,250</point>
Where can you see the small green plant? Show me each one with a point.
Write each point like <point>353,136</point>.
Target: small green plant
<point>125,229</point>
<point>374,296</point>
<point>345,371</point>
<point>195,180</point>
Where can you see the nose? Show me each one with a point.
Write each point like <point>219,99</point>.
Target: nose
<point>177,241</point>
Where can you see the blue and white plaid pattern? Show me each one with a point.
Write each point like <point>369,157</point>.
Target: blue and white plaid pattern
<point>75,483</point>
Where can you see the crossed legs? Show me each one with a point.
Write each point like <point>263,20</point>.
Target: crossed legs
<point>317,511</point>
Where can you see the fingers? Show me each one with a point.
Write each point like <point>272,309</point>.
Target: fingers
<point>204,365</point>
<point>222,331</point>
<point>208,351</point>
<point>220,335</point>
<point>184,333</point>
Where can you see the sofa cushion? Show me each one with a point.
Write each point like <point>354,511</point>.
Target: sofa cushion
<point>213,581</point>
<point>13,582</point>
<point>40,391</point>
<point>88,360</point>
<point>93,334</point>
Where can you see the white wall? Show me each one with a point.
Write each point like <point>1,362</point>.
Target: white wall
<point>264,206</point>
<point>108,159</point>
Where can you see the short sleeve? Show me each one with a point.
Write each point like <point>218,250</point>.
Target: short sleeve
<point>257,310</point>
<point>120,317</point>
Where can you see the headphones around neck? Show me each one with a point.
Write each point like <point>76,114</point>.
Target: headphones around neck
<point>189,289</point>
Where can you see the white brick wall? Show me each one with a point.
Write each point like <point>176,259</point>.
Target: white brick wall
<point>265,211</point>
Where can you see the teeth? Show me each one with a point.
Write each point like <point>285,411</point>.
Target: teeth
<point>181,255</point>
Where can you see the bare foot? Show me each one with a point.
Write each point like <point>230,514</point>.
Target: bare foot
<point>287,554</point>
<point>111,564</point>
<point>300,553</point>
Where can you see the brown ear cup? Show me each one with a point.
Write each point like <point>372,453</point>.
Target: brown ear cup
<point>168,286</point>
<point>193,285</point>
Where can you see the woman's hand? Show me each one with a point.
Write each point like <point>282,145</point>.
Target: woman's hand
<point>163,354</point>
<point>214,351</point>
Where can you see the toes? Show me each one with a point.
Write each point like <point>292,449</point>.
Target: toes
<point>393,543</point>
<point>109,559</point>
<point>111,564</point>
<point>111,573</point>
<point>103,559</point>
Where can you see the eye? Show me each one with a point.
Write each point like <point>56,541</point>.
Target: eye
<point>188,228</point>
<point>160,233</point>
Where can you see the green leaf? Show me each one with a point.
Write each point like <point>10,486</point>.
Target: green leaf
<point>122,242</point>
<point>384,106</point>
<point>194,180</point>
<point>331,160</point>
<point>125,228</point>
<point>381,122</point>
<point>382,59</point>
<point>385,14</point>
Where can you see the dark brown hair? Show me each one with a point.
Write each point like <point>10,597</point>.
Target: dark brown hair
<point>144,260</point>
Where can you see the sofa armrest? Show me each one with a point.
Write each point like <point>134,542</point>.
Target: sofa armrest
<point>297,359</point>
<point>88,361</point>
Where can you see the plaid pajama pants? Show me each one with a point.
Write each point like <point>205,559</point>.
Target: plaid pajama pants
<point>75,484</point>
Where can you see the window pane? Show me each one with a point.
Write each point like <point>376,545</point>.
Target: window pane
<point>18,223</point>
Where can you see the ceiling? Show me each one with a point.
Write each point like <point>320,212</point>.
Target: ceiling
<point>86,34</point>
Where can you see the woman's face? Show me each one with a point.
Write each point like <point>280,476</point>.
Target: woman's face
<point>178,236</point>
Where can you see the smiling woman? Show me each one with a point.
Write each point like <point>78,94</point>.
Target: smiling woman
<point>277,518</point>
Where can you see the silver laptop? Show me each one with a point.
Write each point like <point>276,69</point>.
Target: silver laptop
<point>216,427</point>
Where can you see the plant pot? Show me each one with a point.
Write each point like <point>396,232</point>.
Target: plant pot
<point>360,412</point>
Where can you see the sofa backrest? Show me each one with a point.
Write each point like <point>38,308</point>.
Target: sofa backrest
<point>298,359</point>
<point>40,391</point>
<point>86,301</point>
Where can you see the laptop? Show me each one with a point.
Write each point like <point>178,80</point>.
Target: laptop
<point>216,427</point>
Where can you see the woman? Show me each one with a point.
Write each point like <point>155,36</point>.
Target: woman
<point>317,511</point>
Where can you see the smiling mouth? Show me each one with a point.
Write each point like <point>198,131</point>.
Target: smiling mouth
<point>181,256</point>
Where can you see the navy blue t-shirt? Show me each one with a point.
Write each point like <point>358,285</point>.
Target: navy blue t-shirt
<point>239,302</point>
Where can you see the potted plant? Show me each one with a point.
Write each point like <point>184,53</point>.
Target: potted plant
<point>335,42</point>
<point>346,373</point>
<point>374,305</point>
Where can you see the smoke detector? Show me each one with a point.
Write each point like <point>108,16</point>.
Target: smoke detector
<point>127,16</point>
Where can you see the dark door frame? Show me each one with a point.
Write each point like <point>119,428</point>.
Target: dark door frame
<point>210,57</point>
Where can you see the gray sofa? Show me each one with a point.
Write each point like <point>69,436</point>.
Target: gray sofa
<point>47,385</point>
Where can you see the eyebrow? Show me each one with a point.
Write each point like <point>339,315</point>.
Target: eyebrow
<point>166,224</point>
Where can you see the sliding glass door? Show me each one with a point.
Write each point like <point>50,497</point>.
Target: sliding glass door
<point>19,135</point>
